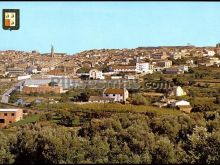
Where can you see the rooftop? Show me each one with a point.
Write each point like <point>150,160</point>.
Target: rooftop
<point>9,110</point>
<point>113,91</point>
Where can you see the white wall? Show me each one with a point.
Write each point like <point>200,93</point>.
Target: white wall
<point>24,77</point>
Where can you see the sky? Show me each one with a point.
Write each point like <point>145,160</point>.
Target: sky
<point>77,26</point>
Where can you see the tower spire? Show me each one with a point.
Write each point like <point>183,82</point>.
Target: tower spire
<point>52,51</point>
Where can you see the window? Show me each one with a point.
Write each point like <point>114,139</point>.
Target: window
<point>113,94</point>
<point>10,121</point>
<point>12,114</point>
<point>5,114</point>
<point>2,120</point>
<point>106,94</point>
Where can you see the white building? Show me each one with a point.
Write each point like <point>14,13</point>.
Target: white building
<point>116,77</point>
<point>180,103</point>
<point>209,53</point>
<point>118,69</point>
<point>185,68</point>
<point>178,91</point>
<point>24,77</point>
<point>119,95</point>
<point>96,74</point>
<point>176,55</point>
<point>143,67</point>
<point>131,77</point>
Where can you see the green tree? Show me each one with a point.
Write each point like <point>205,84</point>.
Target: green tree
<point>6,157</point>
<point>138,99</point>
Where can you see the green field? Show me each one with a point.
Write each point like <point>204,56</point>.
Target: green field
<point>27,120</point>
<point>108,107</point>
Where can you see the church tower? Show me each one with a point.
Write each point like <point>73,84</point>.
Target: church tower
<point>52,51</point>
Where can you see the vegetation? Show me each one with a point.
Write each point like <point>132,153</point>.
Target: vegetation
<point>138,99</point>
<point>84,69</point>
<point>103,137</point>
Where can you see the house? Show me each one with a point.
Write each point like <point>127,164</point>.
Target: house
<point>157,68</point>
<point>173,70</point>
<point>8,116</point>
<point>126,68</point>
<point>176,55</point>
<point>214,60</point>
<point>164,64</point>
<point>100,99</point>
<point>42,89</point>
<point>184,68</point>
<point>159,56</point>
<point>116,77</point>
<point>143,67</point>
<point>208,53</point>
<point>16,71</point>
<point>95,74</point>
<point>119,95</point>
<point>32,70</point>
<point>23,77</point>
<point>180,103</point>
<point>131,77</point>
<point>177,91</point>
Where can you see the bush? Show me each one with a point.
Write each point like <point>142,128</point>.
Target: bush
<point>138,99</point>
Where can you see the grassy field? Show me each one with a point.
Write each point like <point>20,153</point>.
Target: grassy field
<point>28,119</point>
<point>109,107</point>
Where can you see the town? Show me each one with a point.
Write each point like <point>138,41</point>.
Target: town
<point>31,80</point>
<point>109,82</point>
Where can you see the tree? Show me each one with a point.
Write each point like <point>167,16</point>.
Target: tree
<point>163,152</point>
<point>138,99</point>
<point>84,69</point>
<point>6,157</point>
<point>204,146</point>
<point>178,81</point>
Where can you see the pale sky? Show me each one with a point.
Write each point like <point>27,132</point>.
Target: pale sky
<point>76,26</point>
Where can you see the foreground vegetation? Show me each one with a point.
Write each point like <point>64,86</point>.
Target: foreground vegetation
<point>70,136</point>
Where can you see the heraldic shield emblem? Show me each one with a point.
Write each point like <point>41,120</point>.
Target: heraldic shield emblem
<point>10,19</point>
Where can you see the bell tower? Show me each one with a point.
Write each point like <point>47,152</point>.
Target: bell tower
<point>52,51</point>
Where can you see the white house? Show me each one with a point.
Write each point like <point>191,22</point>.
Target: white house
<point>176,55</point>
<point>119,95</point>
<point>178,91</point>
<point>116,77</point>
<point>23,77</point>
<point>95,74</point>
<point>118,69</point>
<point>209,53</point>
<point>143,67</point>
<point>185,68</point>
<point>180,103</point>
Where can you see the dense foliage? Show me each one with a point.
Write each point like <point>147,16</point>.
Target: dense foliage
<point>105,137</point>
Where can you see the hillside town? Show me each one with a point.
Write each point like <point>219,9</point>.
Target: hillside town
<point>31,78</point>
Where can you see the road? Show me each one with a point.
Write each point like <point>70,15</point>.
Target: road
<point>6,95</point>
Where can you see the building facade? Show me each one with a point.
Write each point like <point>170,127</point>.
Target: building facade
<point>95,74</point>
<point>42,89</point>
<point>143,67</point>
<point>8,116</point>
<point>119,95</point>
<point>118,69</point>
